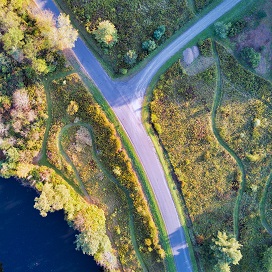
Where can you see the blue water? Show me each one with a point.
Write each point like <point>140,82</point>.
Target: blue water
<point>29,242</point>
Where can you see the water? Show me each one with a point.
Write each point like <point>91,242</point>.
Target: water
<point>29,242</point>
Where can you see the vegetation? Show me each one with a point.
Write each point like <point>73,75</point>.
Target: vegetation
<point>205,47</point>
<point>34,113</point>
<point>199,161</point>
<point>251,57</point>
<point>106,34</point>
<point>222,29</point>
<point>243,120</point>
<point>226,250</point>
<point>185,102</point>
<point>149,20</point>
<point>113,157</point>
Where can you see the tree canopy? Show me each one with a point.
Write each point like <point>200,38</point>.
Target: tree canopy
<point>106,34</point>
<point>226,250</point>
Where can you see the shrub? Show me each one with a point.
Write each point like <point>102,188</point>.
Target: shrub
<point>205,47</point>
<point>250,56</point>
<point>149,45</point>
<point>237,27</point>
<point>221,29</point>
<point>123,71</point>
<point>159,32</point>
<point>130,57</point>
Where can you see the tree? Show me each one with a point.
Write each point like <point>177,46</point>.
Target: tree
<point>130,57</point>
<point>52,198</point>
<point>267,260</point>
<point>149,45</point>
<point>221,29</point>
<point>40,66</point>
<point>226,249</point>
<point>159,32</point>
<point>72,108</point>
<point>13,38</point>
<point>250,56</point>
<point>66,34</point>
<point>106,34</point>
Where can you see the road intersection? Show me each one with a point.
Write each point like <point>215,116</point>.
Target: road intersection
<point>126,99</point>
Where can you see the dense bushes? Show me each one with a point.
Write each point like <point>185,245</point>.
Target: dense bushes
<point>201,4</point>
<point>134,20</point>
<point>205,47</point>
<point>250,56</point>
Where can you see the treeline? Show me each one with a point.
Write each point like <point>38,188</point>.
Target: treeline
<point>30,42</point>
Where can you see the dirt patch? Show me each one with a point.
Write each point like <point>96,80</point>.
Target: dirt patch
<point>199,65</point>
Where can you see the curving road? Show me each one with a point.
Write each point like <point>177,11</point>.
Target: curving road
<point>126,98</point>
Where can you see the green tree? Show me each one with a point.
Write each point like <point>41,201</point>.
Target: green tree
<point>221,29</point>
<point>130,57</point>
<point>106,34</point>
<point>13,38</point>
<point>52,198</point>
<point>159,32</point>
<point>250,56</point>
<point>40,66</point>
<point>267,260</point>
<point>226,249</point>
<point>149,46</point>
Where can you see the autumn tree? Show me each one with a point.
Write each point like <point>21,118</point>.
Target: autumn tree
<point>52,198</point>
<point>66,34</point>
<point>106,34</point>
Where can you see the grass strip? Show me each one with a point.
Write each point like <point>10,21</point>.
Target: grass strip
<point>262,205</point>
<point>216,103</point>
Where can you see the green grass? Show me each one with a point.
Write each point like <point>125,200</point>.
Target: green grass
<point>238,108</point>
<point>216,103</point>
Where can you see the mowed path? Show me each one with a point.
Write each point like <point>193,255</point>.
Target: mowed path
<point>126,98</point>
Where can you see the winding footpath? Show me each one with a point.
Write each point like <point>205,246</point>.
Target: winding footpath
<point>126,99</point>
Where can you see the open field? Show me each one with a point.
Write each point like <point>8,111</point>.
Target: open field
<point>204,154</point>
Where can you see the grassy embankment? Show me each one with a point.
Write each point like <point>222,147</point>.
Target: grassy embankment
<point>135,161</point>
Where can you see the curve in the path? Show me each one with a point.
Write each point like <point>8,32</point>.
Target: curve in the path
<point>111,178</point>
<point>126,98</point>
<point>262,205</point>
<point>216,103</point>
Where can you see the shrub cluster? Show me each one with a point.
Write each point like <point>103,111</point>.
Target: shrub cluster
<point>205,47</point>
<point>147,16</point>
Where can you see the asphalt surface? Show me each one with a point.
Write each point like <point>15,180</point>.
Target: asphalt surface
<point>126,98</point>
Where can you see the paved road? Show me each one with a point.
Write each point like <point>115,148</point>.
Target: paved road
<point>126,97</point>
